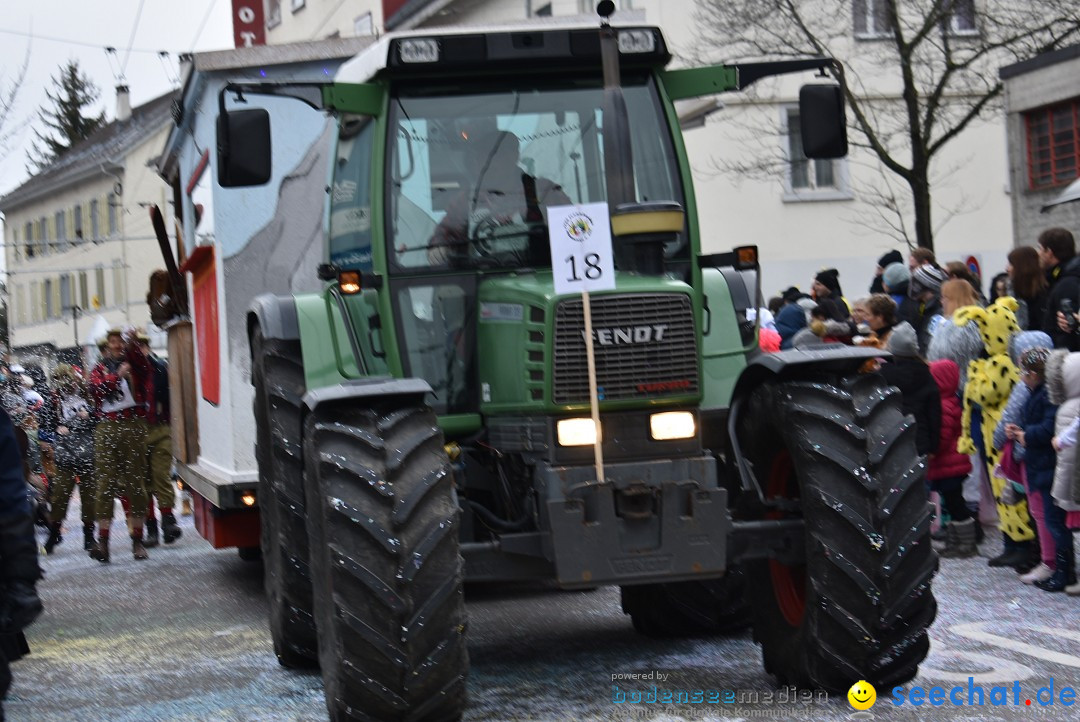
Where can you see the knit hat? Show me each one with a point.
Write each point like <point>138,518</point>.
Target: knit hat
<point>1024,340</point>
<point>830,279</point>
<point>895,274</point>
<point>792,294</point>
<point>926,278</point>
<point>890,258</point>
<point>902,340</point>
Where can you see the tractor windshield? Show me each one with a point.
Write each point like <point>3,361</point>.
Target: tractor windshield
<point>472,174</point>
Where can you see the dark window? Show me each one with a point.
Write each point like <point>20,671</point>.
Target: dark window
<point>95,223</point>
<point>806,174</point>
<point>1053,144</point>
<point>961,18</point>
<point>871,18</point>
<point>543,11</point>
<point>60,219</point>
<point>78,223</point>
<point>28,238</point>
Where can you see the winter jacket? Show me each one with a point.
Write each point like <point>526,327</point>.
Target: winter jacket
<point>1037,421</point>
<point>19,568</point>
<point>947,462</point>
<point>1018,344</point>
<point>1063,388</point>
<point>1031,312</point>
<point>1064,283</point>
<point>75,449</point>
<point>927,312</point>
<point>920,399</point>
<point>788,322</point>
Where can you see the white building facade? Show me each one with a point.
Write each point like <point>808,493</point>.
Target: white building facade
<point>78,241</point>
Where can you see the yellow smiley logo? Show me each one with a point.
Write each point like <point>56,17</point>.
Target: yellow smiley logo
<point>862,695</point>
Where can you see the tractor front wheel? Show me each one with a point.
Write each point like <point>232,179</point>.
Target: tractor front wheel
<point>388,573</point>
<point>839,453</point>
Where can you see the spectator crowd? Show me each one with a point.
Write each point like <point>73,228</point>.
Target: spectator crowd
<point>992,381</point>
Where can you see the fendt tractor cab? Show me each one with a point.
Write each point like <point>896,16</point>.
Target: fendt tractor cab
<point>425,419</point>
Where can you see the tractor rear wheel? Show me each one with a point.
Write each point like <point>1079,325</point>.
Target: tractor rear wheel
<point>861,604</point>
<point>688,609</point>
<point>278,377</point>
<point>386,562</point>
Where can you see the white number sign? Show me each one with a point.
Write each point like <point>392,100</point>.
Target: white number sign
<point>581,248</point>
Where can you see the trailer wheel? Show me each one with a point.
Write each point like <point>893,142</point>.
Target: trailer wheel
<point>688,609</point>
<point>861,604</point>
<point>386,562</point>
<point>277,374</point>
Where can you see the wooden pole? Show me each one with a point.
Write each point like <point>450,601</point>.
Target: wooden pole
<point>598,452</point>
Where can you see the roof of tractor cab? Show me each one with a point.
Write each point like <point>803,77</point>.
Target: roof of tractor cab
<point>476,48</point>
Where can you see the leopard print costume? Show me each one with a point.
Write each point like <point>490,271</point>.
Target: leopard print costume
<point>989,382</point>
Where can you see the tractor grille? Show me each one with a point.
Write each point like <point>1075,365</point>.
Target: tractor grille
<point>645,346</point>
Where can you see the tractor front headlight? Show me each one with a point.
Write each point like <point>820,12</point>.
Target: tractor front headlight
<point>669,425</point>
<point>576,432</point>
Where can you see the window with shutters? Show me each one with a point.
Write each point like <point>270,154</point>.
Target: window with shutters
<point>50,308</point>
<point>99,286</point>
<point>84,291</point>
<point>60,221</point>
<point>44,239</point>
<point>806,179</point>
<point>28,238</point>
<point>273,13</point>
<point>77,215</point>
<point>1053,145</point>
<point>112,202</point>
<point>95,223</point>
<point>65,293</point>
<point>872,18</point>
<point>15,244</point>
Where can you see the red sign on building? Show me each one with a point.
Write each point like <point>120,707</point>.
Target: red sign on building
<point>249,23</point>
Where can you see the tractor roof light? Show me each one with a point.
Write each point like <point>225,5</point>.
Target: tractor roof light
<point>419,50</point>
<point>349,282</point>
<point>637,41</point>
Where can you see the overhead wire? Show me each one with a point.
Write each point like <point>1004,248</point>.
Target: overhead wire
<point>202,24</point>
<point>131,39</point>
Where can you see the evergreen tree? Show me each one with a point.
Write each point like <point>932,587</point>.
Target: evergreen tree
<point>64,119</point>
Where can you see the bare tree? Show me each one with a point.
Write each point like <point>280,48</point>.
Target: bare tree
<point>917,72</point>
<point>9,91</point>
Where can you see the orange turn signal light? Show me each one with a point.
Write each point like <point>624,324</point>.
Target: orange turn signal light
<point>746,257</point>
<point>349,282</point>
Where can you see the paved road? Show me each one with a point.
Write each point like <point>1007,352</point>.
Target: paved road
<point>182,637</point>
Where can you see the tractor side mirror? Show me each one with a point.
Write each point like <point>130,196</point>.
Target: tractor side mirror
<point>822,122</point>
<point>243,148</point>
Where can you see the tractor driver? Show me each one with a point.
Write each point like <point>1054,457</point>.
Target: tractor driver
<point>500,209</point>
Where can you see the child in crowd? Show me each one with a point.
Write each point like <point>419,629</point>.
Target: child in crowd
<point>948,468</point>
<point>1014,407</point>
<point>1054,379</point>
<point>1063,381</point>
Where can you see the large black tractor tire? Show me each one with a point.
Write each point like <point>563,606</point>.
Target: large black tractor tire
<point>861,604</point>
<point>278,376</point>
<point>386,562</point>
<point>689,609</point>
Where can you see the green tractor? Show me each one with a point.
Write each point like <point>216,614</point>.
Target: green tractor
<point>426,420</point>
